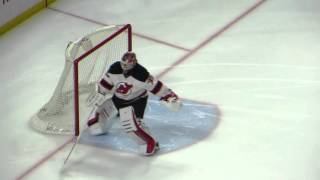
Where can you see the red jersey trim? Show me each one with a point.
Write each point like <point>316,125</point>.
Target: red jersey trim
<point>106,85</point>
<point>157,88</point>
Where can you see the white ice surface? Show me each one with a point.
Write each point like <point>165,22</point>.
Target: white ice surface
<point>263,74</point>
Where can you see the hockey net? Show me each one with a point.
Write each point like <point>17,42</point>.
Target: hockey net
<point>85,62</point>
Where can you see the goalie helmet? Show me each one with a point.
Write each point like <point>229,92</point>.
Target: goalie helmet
<point>128,61</point>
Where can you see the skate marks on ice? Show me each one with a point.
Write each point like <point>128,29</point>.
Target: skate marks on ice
<point>174,130</point>
<point>90,162</point>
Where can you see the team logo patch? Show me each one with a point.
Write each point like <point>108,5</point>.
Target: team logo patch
<point>124,88</point>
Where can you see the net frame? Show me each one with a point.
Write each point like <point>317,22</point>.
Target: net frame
<point>44,126</point>
<point>76,71</point>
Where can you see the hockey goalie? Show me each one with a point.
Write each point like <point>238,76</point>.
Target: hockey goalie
<point>128,84</point>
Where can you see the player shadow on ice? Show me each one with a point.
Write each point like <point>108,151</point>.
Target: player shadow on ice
<point>97,163</point>
<point>173,130</point>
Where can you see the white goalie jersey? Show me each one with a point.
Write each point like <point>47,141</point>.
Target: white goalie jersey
<point>132,84</point>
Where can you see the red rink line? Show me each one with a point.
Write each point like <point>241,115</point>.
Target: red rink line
<point>212,37</point>
<point>179,61</point>
<point>136,34</point>
<point>44,159</point>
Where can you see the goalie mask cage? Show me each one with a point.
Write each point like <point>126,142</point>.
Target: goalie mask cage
<point>87,59</point>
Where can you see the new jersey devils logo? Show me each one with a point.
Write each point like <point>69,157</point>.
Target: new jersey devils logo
<point>124,88</point>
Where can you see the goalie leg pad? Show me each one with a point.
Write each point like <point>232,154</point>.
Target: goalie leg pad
<point>95,127</point>
<point>99,120</point>
<point>133,126</point>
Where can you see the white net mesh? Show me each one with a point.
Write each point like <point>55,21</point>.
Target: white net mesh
<point>57,115</point>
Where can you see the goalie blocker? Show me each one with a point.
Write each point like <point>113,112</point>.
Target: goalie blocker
<point>129,83</point>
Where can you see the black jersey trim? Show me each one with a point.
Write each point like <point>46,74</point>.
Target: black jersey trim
<point>115,68</point>
<point>139,72</point>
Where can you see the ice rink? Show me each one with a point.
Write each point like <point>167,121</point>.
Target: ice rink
<point>256,61</point>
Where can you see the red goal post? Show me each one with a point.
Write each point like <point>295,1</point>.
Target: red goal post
<point>87,59</point>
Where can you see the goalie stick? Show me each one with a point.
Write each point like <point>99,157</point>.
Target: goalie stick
<point>76,138</point>
<point>75,142</point>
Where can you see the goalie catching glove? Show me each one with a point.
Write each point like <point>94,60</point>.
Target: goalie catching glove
<point>171,101</point>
